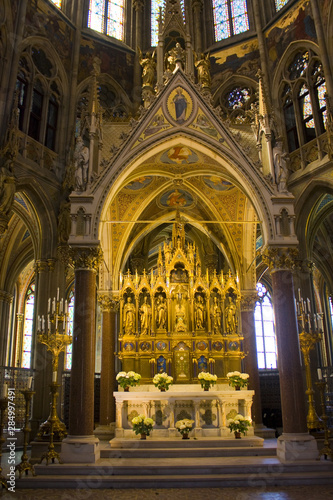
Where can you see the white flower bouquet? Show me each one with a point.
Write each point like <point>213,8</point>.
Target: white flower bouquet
<point>184,426</point>
<point>162,381</point>
<point>238,424</point>
<point>237,379</point>
<point>206,380</point>
<point>142,425</point>
<point>129,379</point>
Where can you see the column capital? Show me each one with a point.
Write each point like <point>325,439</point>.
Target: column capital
<point>304,266</point>
<point>138,5</point>
<point>280,258</point>
<point>197,4</point>
<point>19,316</point>
<point>248,301</point>
<point>51,264</point>
<point>87,257</point>
<point>108,303</point>
<point>6,296</point>
<point>41,266</point>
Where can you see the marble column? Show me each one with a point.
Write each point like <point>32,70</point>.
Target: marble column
<point>81,445</point>
<point>295,442</point>
<point>250,348</point>
<point>110,308</point>
<point>5,342</point>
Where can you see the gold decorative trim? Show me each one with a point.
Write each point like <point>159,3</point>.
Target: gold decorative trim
<point>107,303</point>
<point>248,302</point>
<point>86,257</point>
<point>279,258</point>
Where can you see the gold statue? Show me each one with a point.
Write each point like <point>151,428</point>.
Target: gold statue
<point>129,317</point>
<point>216,316</point>
<point>145,317</point>
<point>203,68</point>
<point>161,310</point>
<point>148,68</point>
<point>180,316</point>
<point>230,314</point>
<point>199,313</point>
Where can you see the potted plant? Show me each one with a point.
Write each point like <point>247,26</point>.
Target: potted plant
<point>238,380</point>
<point>238,425</point>
<point>162,381</point>
<point>184,427</point>
<point>129,379</point>
<point>206,380</point>
<point>142,425</point>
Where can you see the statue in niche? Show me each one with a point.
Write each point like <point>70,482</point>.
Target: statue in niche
<point>281,167</point>
<point>167,251</point>
<point>230,316</point>
<point>64,222</point>
<point>81,161</point>
<point>161,312</point>
<point>145,317</point>
<point>129,317</point>
<point>202,63</point>
<point>7,186</point>
<point>174,58</point>
<point>180,314</point>
<point>199,313</point>
<point>148,68</point>
<point>216,316</point>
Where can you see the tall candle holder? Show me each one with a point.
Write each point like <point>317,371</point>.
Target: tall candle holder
<point>326,450</point>
<point>55,335</point>
<point>52,454</point>
<point>3,407</point>
<point>309,326</point>
<point>25,465</point>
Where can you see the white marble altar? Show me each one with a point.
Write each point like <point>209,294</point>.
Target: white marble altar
<point>209,409</point>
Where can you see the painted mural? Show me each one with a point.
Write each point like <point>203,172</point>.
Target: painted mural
<point>176,198</point>
<point>217,183</point>
<point>179,155</point>
<point>139,183</point>
<point>179,105</point>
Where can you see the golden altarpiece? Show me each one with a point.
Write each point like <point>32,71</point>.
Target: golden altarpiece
<point>179,320</point>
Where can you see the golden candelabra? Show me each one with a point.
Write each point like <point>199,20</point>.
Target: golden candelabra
<point>3,407</point>
<point>310,326</point>
<point>52,454</point>
<point>25,465</point>
<point>326,450</point>
<point>55,335</point>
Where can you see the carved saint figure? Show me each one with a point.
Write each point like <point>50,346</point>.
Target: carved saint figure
<point>7,188</point>
<point>148,68</point>
<point>180,316</point>
<point>216,316</point>
<point>81,160</point>
<point>175,57</point>
<point>281,168</point>
<point>129,316</point>
<point>230,315</point>
<point>145,317</point>
<point>64,222</point>
<point>161,312</point>
<point>199,313</point>
<point>202,64</point>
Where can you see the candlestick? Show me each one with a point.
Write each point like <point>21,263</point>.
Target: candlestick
<point>320,374</point>
<point>25,465</point>
<point>30,382</point>
<point>4,391</point>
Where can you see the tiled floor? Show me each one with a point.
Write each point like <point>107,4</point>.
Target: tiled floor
<point>260,493</point>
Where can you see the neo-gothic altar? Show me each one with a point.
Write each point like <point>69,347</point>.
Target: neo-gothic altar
<point>180,319</point>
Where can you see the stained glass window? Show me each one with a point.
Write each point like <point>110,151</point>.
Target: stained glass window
<point>237,97</point>
<point>299,65</point>
<point>306,113</point>
<point>156,7</point>
<point>279,4</point>
<point>320,91</point>
<point>57,3</point>
<point>230,18</point>
<point>28,326</point>
<point>264,326</point>
<point>107,16</point>
<point>68,356</point>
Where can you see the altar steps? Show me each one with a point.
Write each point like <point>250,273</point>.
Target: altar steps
<point>194,469</point>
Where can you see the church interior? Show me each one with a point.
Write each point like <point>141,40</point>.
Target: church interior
<point>166,206</point>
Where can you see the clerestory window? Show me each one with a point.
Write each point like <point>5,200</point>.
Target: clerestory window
<point>264,326</point>
<point>107,16</point>
<point>230,18</point>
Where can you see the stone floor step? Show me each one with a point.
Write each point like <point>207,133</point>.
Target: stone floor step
<point>176,481</point>
<point>151,442</point>
<point>186,452</point>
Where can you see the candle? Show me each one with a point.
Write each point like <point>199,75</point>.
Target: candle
<point>299,295</point>
<point>49,305</point>
<point>320,375</point>
<point>43,322</point>
<point>29,382</point>
<point>57,294</point>
<point>61,305</point>
<point>4,391</point>
<point>309,305</point>
<point>54,376</point>
<point>66,307</point>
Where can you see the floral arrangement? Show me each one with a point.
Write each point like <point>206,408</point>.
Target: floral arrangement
<point>162,381</point>
<point>238,424</point>
<point>128,379</point>
<point>206,380</point>
<point>237,379</point>
<point>184,426</point>
<point>142,425</point>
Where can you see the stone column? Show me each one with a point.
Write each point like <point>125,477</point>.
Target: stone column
<point>197,9</point>
<point>110,308</point>
<point>19,339</point>
<point>295,442</point>
<point>138,7</point>
<point>81,445</point>
<point>250,361</point>
<point>5,301</point>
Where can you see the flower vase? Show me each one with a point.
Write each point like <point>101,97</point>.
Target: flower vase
<point>237,435</point>
<point>143,436</point>
<point>126,389</point>
<point>185,436</point>
<point>237,387</point>
<point>206,388</point>
<point>162,389</point>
